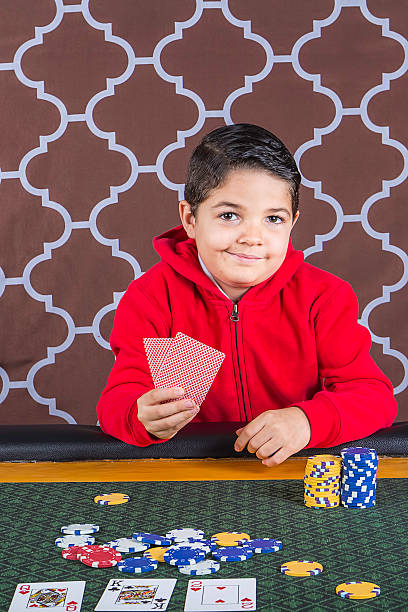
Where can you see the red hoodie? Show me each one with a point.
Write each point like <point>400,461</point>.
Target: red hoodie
<point>295,341</point>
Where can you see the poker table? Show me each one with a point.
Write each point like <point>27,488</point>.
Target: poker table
<point>49,477</point>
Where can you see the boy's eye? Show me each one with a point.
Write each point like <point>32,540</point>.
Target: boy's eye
<point>275,220</point>
<point>222,215</point>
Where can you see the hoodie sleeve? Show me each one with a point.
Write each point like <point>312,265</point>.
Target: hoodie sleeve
<point>357,398</point>
<point>136,318</point>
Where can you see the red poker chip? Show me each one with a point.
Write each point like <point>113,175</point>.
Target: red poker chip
<point>72,552</point>
<point>100,556</point>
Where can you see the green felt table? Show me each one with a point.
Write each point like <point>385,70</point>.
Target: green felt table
<point>367,544</point>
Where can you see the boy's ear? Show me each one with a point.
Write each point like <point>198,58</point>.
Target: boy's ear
<point>187,218</point>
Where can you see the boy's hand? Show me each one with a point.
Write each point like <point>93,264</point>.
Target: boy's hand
<point>164,420</point>
<point>279,433</point>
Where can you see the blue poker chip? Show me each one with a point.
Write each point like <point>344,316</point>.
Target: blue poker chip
<point>137,565</point>
<point>358,451</point>
<point>232,553</point>
<point>183,555</point>
<point>151,538</point>
<point>264,545</point>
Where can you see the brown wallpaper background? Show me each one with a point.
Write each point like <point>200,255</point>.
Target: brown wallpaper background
<point>101,104</point>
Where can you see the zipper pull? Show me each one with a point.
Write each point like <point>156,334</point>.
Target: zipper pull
<point>235,315</point>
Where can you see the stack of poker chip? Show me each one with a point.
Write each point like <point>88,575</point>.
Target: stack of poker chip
<point>322,481</point>
<point>359,479</point>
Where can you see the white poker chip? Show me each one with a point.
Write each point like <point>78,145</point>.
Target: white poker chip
<point>209,566</point>
<point>74,540</point>
<point>80,529</point>
<point>194,545</point>
<point>128,545</point>
<point>180,535</point>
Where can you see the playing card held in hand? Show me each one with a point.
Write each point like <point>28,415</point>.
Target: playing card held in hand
<point>183,362</point>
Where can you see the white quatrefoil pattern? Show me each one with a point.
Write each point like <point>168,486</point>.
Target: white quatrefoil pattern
<point>101,105</point>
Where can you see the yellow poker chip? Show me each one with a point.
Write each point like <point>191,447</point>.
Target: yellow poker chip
<point>356,589</point>
<point>316,459</point>
<point>301,568</point>
<point>156,553</point>
<point>230,538</point>
<point>111,499</point>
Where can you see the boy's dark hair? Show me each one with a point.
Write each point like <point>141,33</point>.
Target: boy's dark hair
<point>232,147</point>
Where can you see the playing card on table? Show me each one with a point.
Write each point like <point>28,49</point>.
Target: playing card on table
<point>58,596</point>
<point>135,594</point>
<point>225,595</point>
<point>156,350</point>
<point>189,364</point>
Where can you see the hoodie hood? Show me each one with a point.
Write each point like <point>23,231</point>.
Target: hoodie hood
<point>180,252</point>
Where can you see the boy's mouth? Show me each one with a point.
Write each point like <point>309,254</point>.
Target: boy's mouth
<point>244,257</point>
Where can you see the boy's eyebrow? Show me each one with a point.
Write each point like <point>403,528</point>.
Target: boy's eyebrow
<point>238,206</point>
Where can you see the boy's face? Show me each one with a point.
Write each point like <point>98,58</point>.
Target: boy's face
<point>249,215</point>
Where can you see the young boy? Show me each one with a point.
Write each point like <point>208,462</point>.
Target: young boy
<point>297,367</point>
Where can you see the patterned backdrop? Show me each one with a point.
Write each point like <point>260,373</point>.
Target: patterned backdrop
<point>101,105</point>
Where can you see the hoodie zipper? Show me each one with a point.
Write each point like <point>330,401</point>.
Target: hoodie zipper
<point>235,317</point>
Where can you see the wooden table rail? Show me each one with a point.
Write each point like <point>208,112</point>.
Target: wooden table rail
<point>126,470</point>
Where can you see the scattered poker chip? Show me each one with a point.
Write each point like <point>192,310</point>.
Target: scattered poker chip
<point>181,555</point>
<point>230,538</point>
<point>210,544</point>
<point>356,589</point>
<point>72,552</point>
<point>111,499</point>
<point>232,553</point>
<point>137,565</point>
<point>301,568</point>
<point>79,529</point>
<point>180,535</point>
<point>74,540</point>
<point>264,545</point>
<point>206,545</point>
<point>208,566</point>
<point>152,538</point>
<point>128,545</point>
<point>156,553</point>
<point>100,556</point>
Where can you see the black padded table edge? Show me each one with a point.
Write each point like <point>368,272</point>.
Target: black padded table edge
<point>196,440</point>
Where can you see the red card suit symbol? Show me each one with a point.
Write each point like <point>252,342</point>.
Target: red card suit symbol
<point>220,588</point>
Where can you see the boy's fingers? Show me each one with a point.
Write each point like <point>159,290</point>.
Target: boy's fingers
<point>174,421</point>
<point>163,395</point>
<point>169,433</point>
<point>246,434</point>
<point>268,449</point>
<point>163,411</point>
<point>281,455</point>
<point>260,439</point>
